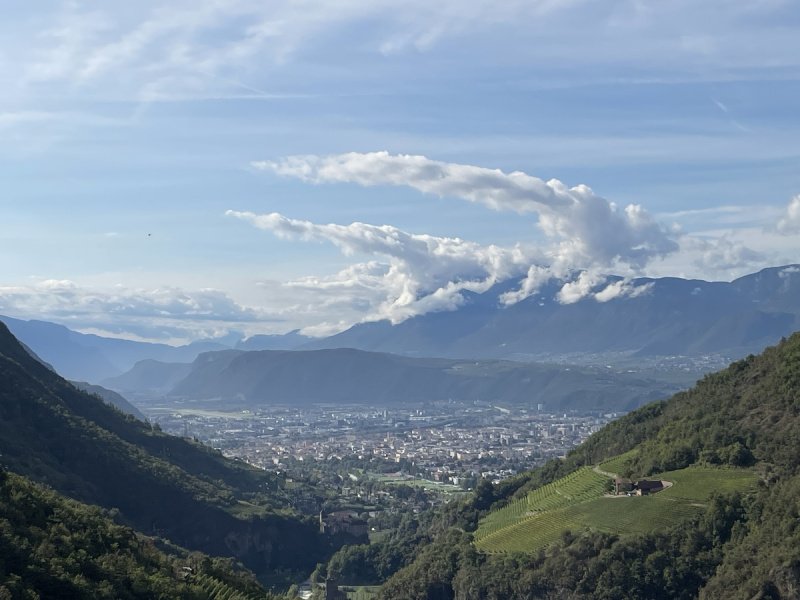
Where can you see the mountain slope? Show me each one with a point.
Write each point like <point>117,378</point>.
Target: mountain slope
<point>354,376</point>
<point>728,538</point>
<point>54,433</point>
<point>52,547</point>
<point>671,316</point>
<point>110,397</point>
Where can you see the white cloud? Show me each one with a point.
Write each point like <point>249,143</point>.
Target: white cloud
<point>790,222</point>
<point>721,255</point>
<point>586,230</point>
<point>421,273</point>
<point>583,286</point>
<point>727,216</point>
<point>593,284</point>
<point>622,289</point>
<point>159,313</point>
<point>534,279</point>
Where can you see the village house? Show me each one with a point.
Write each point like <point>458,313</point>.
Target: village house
<point>345,521</point>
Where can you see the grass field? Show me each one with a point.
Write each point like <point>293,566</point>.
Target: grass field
<point>577,503</point>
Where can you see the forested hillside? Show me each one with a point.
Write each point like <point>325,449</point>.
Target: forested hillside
<point>51,547</point>
<point>161,485</point>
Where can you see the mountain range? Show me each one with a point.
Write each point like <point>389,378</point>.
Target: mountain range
<point>258,378</point>
<point>667,316</point>
<point>662,317</point>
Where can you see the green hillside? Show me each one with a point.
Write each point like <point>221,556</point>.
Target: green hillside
<point>727,528</point>
<point>576,488</point>
<point>578,502</point>
<point>161,485</point>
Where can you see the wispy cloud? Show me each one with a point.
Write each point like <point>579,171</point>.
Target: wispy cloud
<point>152,50</point>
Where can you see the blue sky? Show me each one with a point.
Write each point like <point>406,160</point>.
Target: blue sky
<point>181,172</point>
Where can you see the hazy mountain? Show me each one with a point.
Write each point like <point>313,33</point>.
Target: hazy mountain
<point>110,397</point>
<point>72,441</point>
<point>671,316</point>
<point>355,376</point>
<point>287,341</point>
<point>149,376</point>
<point>88,357</point>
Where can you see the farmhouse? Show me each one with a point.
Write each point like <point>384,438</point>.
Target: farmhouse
<point>643,487</point>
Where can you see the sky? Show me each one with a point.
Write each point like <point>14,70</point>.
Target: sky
<point>194,169</point>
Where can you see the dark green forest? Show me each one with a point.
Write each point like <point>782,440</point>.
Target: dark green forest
<point>52,547</point>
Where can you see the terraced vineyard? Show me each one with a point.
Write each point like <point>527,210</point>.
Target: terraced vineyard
<point>579,486</point>
<point>576,503</point>
<point>214,589</point>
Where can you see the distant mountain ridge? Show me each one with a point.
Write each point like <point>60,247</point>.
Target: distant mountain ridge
<point>347,376</point>
<point>89,357</point>
<point>149,376</point>
<point>672,317</point>
<point>287,341</point>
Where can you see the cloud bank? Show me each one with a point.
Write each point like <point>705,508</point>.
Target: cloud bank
<point>421,273</point>
<point>147,314</point>
<point>584,230</point>
<point>200,47</point>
